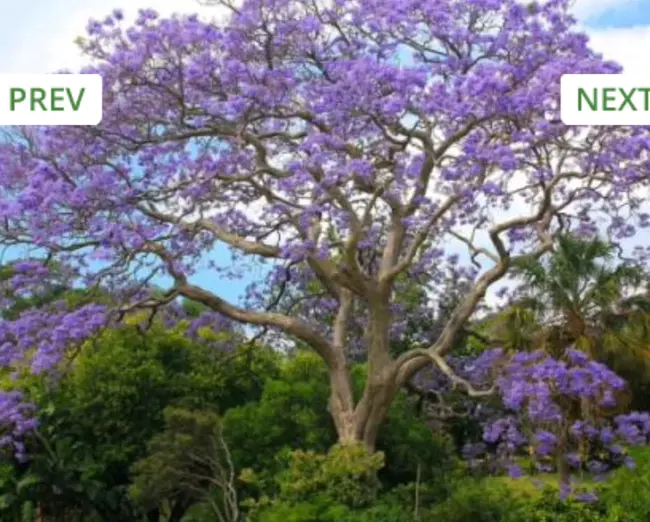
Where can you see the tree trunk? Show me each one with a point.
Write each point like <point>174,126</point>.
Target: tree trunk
<point>564,471</point>
<point>360,422</point>
<point>374,406</point>
<point>341,404</point>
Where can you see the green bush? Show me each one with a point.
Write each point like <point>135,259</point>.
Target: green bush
<point>383,512</point>
<point>291,414</point>
<point>477,501</point>
<point>492,500</point>
<point>622,498</point>
<point>317,487</point>
<point>625,494</point>
<point>346,475</point>
<point>548,507</point>
<point>409,443</point>
<point>317,510</point>
<point>323,509</point>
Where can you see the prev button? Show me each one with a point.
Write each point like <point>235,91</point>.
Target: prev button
<point>50,99</point>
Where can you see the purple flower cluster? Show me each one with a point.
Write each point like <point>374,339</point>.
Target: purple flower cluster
<point>206,120</point>
<point>16,419</point>
<point>39,339</point>
<point>559,412</point>
<point>633,428</point>
<point>537,383</point>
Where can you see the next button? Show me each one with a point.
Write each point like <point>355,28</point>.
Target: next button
<point>605,99</point>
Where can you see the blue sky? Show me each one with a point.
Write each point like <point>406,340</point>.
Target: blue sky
<point>630,14</point>
<point>40,39</point>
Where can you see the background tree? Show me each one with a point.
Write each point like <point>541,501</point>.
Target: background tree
<point>577,293</point>
<point>188,463</point>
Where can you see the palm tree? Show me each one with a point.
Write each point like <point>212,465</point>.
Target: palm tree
<point>578,297</point>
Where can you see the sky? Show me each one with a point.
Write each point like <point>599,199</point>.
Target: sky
<point>39,39</point>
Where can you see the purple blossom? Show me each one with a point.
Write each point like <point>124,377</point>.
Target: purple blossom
<point>588,497</point>
<point>515,471</point>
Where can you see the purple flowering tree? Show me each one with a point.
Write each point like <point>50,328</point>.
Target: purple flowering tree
<point>561,414</point>
<point>356,144</point>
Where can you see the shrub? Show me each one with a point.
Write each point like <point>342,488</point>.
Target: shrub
<point>323,509</point>
<point>625,495</point>
<point>345,475</point>
<point>317,487</point>
<point>477,501</point>
<point>548,507</point>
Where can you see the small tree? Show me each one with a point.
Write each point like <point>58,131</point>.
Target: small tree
<point>560,412</point>
<point>188,463</point>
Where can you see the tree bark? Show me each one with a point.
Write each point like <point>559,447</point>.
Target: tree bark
<point>373,407</point>
<point>564,471</point>
<point>360,422</point>
<point>342,406</point>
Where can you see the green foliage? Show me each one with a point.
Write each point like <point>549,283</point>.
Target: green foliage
<point>345,475</point>
<point>323,487</point>
<point>409,443</point>
<point>324,511</point>
<point>194,308</point>
<point>580,285</point>
<point>291,414</point>
<point>181,460</point>
<point>121,385</point>
<point>625,494</point>
<point>381,512</point>
<point>319,510</point>
<point>470,500</point>
<point>477,501</point>
<point>492,499</point>
<point>548,507</point>
<point>96,423</point>
<point>580,273</point>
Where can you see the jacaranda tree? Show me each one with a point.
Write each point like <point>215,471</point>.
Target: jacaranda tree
<point>358,144</point>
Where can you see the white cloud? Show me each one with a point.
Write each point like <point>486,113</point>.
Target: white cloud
<point>627,46</point>
<point>42,40</point>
